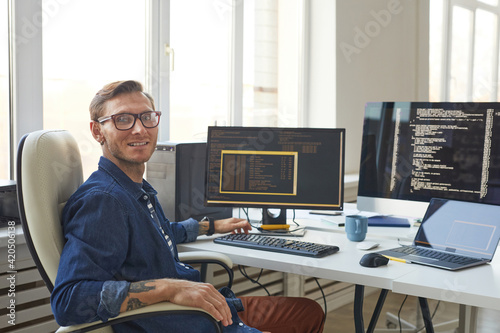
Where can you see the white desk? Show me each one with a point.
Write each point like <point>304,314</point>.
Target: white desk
<point>316,222</point>
<point>475,287</point>
<point>342,266</point>
<point>478,286</point>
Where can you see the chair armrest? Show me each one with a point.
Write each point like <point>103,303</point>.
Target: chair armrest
<point>164,308</point>
<point>202,257</point>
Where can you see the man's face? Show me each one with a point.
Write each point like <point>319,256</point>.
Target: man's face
<point>130,148</point>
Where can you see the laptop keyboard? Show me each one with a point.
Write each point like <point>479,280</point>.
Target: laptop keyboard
<point>428,253</point>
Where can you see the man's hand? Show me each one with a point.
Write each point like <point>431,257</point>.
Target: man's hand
<point>233,225</point>
<point>181,292</point>
<point>201,295</point>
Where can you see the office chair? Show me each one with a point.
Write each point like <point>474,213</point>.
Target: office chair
<point>49,170</point>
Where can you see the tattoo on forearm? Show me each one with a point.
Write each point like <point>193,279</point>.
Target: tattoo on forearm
<point>134,303</point>
<point>135,288</point>
<point>139,287</point>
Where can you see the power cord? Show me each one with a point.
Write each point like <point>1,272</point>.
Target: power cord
<point>324,301</point>
<point>293,219</point>
<point>399,315</point>
<point>404,243</point>
<point>244,273</point>
<point>248,218</point>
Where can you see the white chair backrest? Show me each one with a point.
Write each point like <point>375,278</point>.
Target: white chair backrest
<point>49,171</point>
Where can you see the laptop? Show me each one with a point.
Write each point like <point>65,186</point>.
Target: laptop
<point>453,235</point>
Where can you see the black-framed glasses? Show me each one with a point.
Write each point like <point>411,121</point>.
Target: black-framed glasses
<point>125,121</point>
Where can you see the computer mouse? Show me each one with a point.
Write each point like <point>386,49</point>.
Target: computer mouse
<point>373,260</point>
<point>367,245</point>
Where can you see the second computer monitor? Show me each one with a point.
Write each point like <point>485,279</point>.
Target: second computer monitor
<point>414,151</point>
<point>287,168</point>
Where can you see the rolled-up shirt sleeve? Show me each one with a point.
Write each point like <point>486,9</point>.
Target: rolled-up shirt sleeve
<point>192,228</point>
<point>112,296</point>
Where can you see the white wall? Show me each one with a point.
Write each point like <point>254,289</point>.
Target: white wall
<point>377,50</point>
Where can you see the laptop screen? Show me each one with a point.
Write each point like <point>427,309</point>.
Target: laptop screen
<point>467,228</point>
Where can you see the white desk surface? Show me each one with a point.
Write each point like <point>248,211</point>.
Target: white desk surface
<point>478,286</point>
<point>317,222</point>
<point>341,266</point>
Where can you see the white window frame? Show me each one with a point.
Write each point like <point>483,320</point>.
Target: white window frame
<point>25,70</point>
<point>158,61</point>
<point>158,64</point>
<point>447,18</point>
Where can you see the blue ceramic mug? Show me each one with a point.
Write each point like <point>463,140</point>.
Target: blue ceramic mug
<point>356,227</point>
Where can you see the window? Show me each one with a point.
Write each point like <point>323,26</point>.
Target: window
<point>221,77</point>
<point>84,49</point>
<point>4,94</point>
<point>272,63</point>
<point>199,80</point>
<point>260,63</point>
<point>233,71</point>
<point>464,62</point>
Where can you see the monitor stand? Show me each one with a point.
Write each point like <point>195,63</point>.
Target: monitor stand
<point>270,217</point>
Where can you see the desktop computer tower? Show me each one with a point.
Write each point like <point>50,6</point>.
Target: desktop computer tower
<point>177,172</point>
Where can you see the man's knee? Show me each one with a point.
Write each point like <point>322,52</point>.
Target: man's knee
<point>313,306</point>
<point>297,314</point>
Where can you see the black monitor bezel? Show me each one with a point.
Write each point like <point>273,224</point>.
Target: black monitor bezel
<point>266,205</point>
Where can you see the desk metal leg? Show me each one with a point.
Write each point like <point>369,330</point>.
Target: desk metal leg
<point>358,309</point>
<point>359,294</point>
<point>378,309</point>
<point>424,306</point>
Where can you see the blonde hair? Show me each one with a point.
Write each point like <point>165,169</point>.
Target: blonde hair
<point>111,90</point>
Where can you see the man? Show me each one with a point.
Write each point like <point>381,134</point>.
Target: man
<point>120,251</point>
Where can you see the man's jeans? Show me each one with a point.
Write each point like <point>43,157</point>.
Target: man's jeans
<point>235,305</point>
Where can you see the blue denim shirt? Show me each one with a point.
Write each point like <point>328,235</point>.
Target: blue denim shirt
<point>111,240</point>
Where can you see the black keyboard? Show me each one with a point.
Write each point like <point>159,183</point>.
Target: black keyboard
<point>274,244</point>
<point>442,256</point>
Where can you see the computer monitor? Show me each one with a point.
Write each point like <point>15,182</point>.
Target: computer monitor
<point>286,168</point>
<point>414,151</point>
